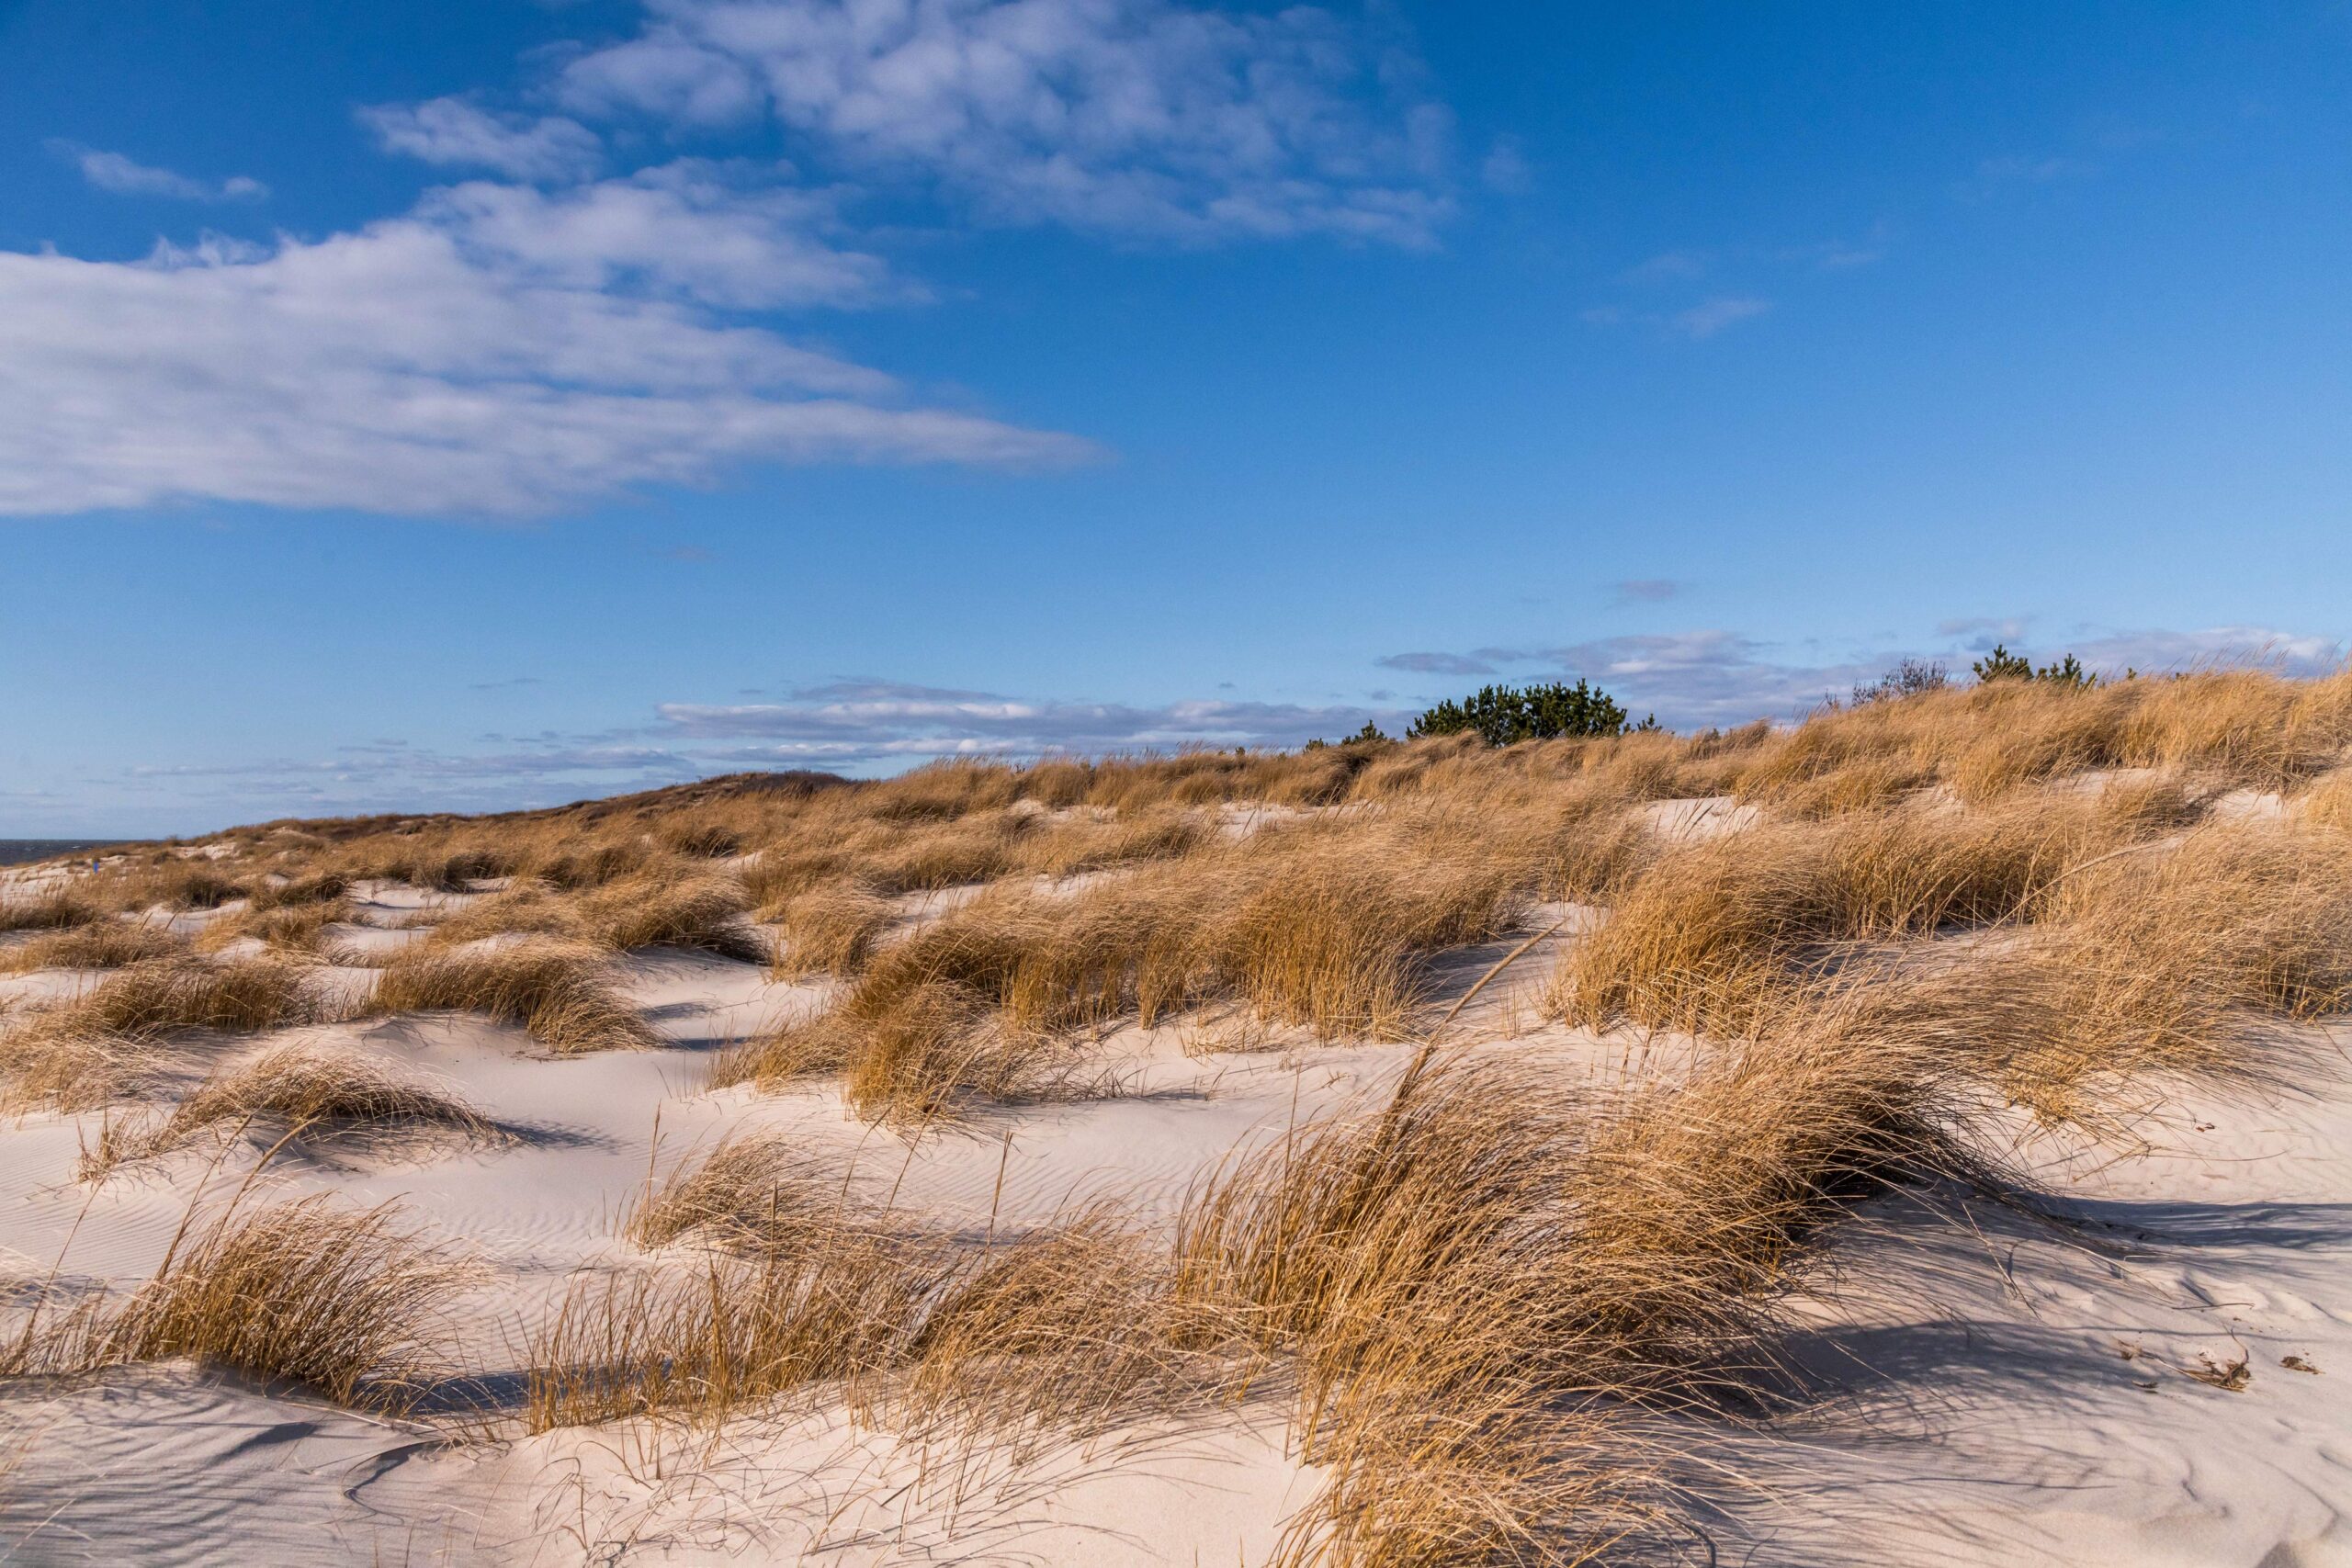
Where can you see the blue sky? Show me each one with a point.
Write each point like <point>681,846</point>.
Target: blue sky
<point>499,402</point>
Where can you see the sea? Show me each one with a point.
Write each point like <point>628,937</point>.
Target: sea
<point>17,852</point>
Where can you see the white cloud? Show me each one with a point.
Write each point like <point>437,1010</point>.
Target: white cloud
<point>685,228</point>
<point>852,726</point>
<point>1722,677</point>
<point>518,346</point>
<point>455,361</point>
<point>1994,176</point>
<point>1505,169</point>
<point>455,132</point>
<point>1128,116</point>
<point>113,172</point>
<point>1669,267</point>
<point>865,722</point>
<point>1435,664</point>
<point>2163,652</point>
<point>1647,589</point>
<point>1709,317</point>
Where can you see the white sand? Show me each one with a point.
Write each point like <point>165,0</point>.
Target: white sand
<point>1984,1414</point>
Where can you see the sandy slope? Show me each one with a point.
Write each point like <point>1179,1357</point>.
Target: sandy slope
<point>2033,1404</point>
<point>1983,1413</point>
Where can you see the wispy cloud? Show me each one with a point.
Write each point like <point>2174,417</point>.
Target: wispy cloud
<point>1137,118</point>
<point>710,233</point>
<point>1709,317</point>
<point>1647,589</point>
<point>861,725</point>
<point>1981,632</point>
<point>454,131</point>
<point>1435,664</point>
<point>497,351</point>
<point>1992,176</point>
<point>1669,267</point>
<point>548,338</point>
<point>1724,678</point>
<point>1505,169</point>
<point>1841,256</point>
<point>867,722</point>
<point>114,172</point>
<point>867,726</point>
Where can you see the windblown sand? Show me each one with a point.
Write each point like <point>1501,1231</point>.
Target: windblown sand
<point>2003,1390</point>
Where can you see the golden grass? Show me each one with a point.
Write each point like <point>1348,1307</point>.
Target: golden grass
<point>912,1053</point>
<point>830,930</point>
<point>2328,802</point>
<point>105,1043</point>
<point>339,1301</point>
<point>106,944</point>
<point>329,887</point>
<point>1472,1303</point>
<point>556,990</point>
<point>55,909</point>
<point>653,911</point>
<point>1059,1331</point>
<point>159,996</point>
<point>174,880</point>
<point>1479,1290</point>
<point>1331,939</point>
<point>1067,1331</point>
<point>529,909</point>
<point>289,927</point>
<point>663,905</point>
<point>1711,928</point>
<point>593,863</point>
<point>71,1069</point>
<point>711,1338</point>
<point>303,1088</point>
<point>754,1191</point>
<point>1304,928</point>
<point>2238,727</point>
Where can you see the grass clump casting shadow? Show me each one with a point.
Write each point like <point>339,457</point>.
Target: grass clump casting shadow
<point>107,1041</point>
<point>557,991</point>
<point>103,944</point>
<point>337,1300</point>
<point>304,1090</point>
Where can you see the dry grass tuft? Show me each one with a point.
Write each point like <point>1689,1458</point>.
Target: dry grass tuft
<point>159,996</point>
<point>338,1302</point>
<point>527,910</point>
<point>1330,939</point>
<point>172,881</point>
<point>48,1065</point>
<point>104,1043</point>
<point>56,909</point>
<point>1713,928</point>
<point>666,904</point>
<point>593,864</point>
<point>652,909</point>
<point>305,1087</point>
<point>289,927</point>
<point>830,930</point>
<point>752,1192</point>
<point>708,1340</point>
<point>1304,928</point>
<point>1068,1331</point>
<point>329,887</point>
<point>107,944</point>
<point>1473,1304</point>
<point>556,990</point>
<point>912,1055</point>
